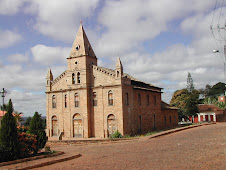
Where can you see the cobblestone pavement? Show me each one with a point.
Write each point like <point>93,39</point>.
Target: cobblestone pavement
<point>197,148</point>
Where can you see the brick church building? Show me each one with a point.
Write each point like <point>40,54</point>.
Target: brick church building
<point>87,100</point>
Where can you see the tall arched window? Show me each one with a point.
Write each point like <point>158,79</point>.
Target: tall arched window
<point>73,78</point>
<point>54,101</point>
<point>139,99</point>
<point>94,99</point>
<point>76,100</point>
<point>110,98</point>
<point>78,77</point>
<point>65,101</point>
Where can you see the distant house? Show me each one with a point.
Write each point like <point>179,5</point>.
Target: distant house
<point>2,114</point>
<point>209,113</point>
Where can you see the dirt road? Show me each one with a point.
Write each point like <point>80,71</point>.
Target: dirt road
<point>198,148</point>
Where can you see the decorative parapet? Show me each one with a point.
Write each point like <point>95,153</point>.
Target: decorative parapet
<point>104,70</point>
<point>59,77</point>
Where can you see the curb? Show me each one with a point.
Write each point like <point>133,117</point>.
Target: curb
<point>51,162</point>
<point>30,159</point>
<point>179,129</point>
<point>85,141</point>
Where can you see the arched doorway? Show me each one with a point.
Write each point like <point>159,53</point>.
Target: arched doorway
<point>111,123</point>
<point>54,126</point>
<point>77,126</point>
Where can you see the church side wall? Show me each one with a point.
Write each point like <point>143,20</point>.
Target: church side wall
<point>141,117</point>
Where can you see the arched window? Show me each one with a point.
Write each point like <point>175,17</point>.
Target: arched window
<point>78,77</point>
<point>73,78</point>
<point>147,100</point>
<point>110,98</point>
<point>65,101</point>
<point>94,99</point>
<point>117,73</point>
<point>54,101</point>
<point>139,99</point>
<point>76,100</point>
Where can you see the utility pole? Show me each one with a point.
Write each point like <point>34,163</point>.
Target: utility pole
<point>3,92</point>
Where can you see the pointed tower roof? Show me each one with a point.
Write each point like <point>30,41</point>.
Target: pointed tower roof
<point>81,45</point>
<point>118,63</point>
<point>49,74</point>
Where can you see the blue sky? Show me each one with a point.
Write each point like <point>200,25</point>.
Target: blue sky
<point>158,42</point>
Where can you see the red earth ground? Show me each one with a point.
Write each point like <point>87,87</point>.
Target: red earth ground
<point>197,148</point>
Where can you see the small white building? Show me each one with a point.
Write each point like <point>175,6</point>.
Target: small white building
<point>208,113</point>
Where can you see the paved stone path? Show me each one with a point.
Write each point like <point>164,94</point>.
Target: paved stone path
<point>197,148</point>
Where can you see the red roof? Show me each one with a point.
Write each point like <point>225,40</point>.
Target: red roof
<point>208,107</point>
<point>1,113</point>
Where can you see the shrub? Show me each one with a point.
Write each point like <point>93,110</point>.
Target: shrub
<point>127,136</point>
<point>28,144</point>
<point>22,128</point>
<point>117,134</point>
<point>37,128</point>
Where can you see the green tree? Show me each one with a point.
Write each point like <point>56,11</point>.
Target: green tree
<point>192,101</point>
<point>28,121</point>
<point>186,102</point>
<point>178,100</point>
<point>8,135</point>
<point>190,85</point>
<point>37,128</point>
<point>217,90</point>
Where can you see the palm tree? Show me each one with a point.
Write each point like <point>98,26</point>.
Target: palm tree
<point>18,118</point>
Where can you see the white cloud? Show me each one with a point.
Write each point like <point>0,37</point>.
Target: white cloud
<point>18,58</point>
<point>50,55</point>
<point>16,76</point>
<point>9,38</point>
<point>126,24</point>
<point>10,7</point>
<point>27,102</point>
<point>60,19</point>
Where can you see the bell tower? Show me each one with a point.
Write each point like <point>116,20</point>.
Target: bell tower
<point>80,60</point>
<point>82,54</point>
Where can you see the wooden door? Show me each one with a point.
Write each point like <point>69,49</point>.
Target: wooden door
<point>54,127</point>
<point>211,118</point>
<point>111,125</point>
<point>201,117</point>
<point>206,117</point>
<point>77,125</point>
